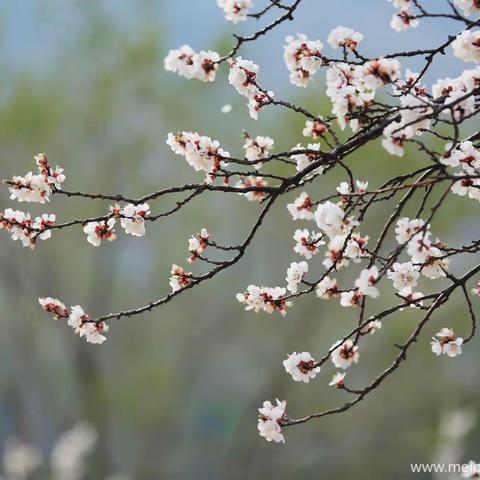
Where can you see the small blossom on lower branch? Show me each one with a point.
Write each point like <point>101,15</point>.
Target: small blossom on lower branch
<point>447,342</point>
<point>92,331</point>
<point>77,319</point>
<point>345,354</point>
<point>301,366</point>
<point>98,231</point>
<point>338,380</point>
<point>179,278</point>
<point>476,290</point>
<point>270,421</point>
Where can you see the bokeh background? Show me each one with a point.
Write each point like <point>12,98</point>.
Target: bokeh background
<point>173,394</point>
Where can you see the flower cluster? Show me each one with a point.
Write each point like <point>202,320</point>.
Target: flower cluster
<point>243,77</point>
<point>403,19</point>
<point>467,158</point>
<point>251,181</point>
<point>344,37</point>
<point>201,152</point>
<point>22,228</point>
<point>264,299</point>
<point>257,148</point>
<point>270,421</point>
<point>352,87</point>
<point>447,343</point>
<point>426,255</point>
<point>77,319</point>
<point>235,10</point>
<point>37,187</point>
<point>469,7</point>
<point>303,58</point>
<point>467,46</point>
<point>187,63</point>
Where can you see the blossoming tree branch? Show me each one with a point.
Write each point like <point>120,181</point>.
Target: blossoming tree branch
<point>334,227</point>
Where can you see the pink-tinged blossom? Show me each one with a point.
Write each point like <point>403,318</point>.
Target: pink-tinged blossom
<point>345,354</point>
<point>307,243</point>
<point>295,274</point>
<point>179,278</point>
<point>235,10</point>
<point>301,366</point>
<point>344,37</point>
<point>301,208</point>
<point>447,343</point>
<point>466,46</point>
<point>338,380</point>
<point>98,231</point>
<point>303,58</point>
<point>270,421</point>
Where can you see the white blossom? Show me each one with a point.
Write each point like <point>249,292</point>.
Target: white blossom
<point>133,218</point>
<point>270,421</point>
<point>344,37</point>
<point>345,354</point>
<point>466,46</point>
<point>301,366</point>
<point>446,342</point>
<point>235,10</point>
<point>301,208</point>
<point>303,58</point>
<point>295,274</point>
<point>366,282</point>
<point>98,231</point>
<point>403,275</point>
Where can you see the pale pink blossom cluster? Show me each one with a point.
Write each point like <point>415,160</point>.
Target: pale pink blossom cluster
<point>201,152</point>
<point>27,231</point>
<point>257,148</point>
<point>350,87</point>
<point>77,319</point>
<point>467,46</point>
<point>303,58</point>
<point>190,64</point>
<point>37,187</point>
<point>270,421</point>
<point>265,299</point>
<point>404,18</point>
<point>466,158</point>
<point>235,10</point>
<point>344,37</point>
<point>469,7</point>
<point>426,255</point>
<point>251,181</point>
<point>447,343</point>
<point>243,77</point>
